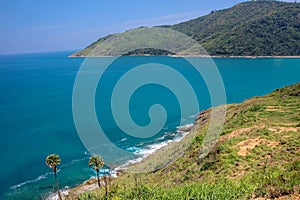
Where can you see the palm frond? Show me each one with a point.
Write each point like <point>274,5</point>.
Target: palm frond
<point>96,161</point>
<point>52,160</point>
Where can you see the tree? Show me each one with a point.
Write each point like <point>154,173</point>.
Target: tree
<point>52,161</point>
<point>98,162</point>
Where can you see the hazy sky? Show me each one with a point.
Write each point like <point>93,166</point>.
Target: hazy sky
<point>54,25</point>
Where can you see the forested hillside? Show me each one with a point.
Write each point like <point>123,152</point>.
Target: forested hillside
<point>253,28</point>
<point>250,28</point>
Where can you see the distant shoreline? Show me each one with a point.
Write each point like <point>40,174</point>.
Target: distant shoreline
<point>252,57</point>
<point>190,56</point>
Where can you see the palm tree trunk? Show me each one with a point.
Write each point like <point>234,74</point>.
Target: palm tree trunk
<point>106,189</point>
<point>98,178</point>
<point>57,186</point>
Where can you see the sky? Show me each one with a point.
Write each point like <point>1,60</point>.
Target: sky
<point>56,25</point>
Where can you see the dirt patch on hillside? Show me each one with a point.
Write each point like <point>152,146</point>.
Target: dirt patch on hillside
<point>279,129</point>
<point>247,145</point>
<point>275,129</point>
<point>274,109</point>
<point>295,196</point>
<point>238,132</point>
<point>88,185</point>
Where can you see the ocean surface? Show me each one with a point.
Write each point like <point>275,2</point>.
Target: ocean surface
<point>36,112</point>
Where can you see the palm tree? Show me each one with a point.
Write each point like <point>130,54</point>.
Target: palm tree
<point>52,161</point>
<point>98,162</point>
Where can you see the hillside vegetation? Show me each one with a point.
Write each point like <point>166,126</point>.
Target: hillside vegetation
<point>257,156</point>
<point>254,28</point>
<point>250,28</point>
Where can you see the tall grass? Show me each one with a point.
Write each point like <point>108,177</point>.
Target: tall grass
<point>269,182</point>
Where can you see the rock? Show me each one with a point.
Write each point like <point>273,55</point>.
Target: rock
<point>201,118</point>
<point>290,148</point>
<point>185,128</point>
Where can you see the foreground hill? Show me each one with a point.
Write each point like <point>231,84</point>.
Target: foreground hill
<point>257,157</point>
<point>254,28</point>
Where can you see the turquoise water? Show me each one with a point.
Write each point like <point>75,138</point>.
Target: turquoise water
<point>36,112</point>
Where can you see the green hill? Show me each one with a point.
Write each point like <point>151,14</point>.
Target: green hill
<point>256,156</point>
<point>250,28</point>
<point>254,28</point>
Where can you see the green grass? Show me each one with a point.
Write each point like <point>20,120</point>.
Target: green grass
<point>271,182</point>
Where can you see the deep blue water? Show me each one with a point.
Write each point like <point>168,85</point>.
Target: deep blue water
<point>36,111</point>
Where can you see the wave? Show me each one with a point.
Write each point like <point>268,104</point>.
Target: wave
<point>54,196</point>
<point>44,176</point>
<point>72,162</point>
<point>193,116</point>
<point>185,126</point>
<point>134,149</point>
<point>30,181</point>
<point>165,136</point>
<point>160,142</point>
<point>87,153</point>
<point>152,148</point>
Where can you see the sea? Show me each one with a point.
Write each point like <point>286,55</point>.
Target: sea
<point>37,111</point>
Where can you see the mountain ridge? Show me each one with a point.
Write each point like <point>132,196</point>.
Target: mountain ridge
<point>252,28</point>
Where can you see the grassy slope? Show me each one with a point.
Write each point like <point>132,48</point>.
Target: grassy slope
<point>257,155</point>
<point>254,28</point>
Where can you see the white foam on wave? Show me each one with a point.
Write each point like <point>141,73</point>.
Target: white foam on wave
<point>193,116</point>
<point>143,153</point>
<point>183,134</point>
<point>133,149</point>
<point>71,163</point>
<point>185,126</point>
<point>172,134</point>
<point>130,162</point>
<point>30,181</point>
<point>112,173</point>
<point>150,149</point>
<point>43,176</point>
<point>54,196</point>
